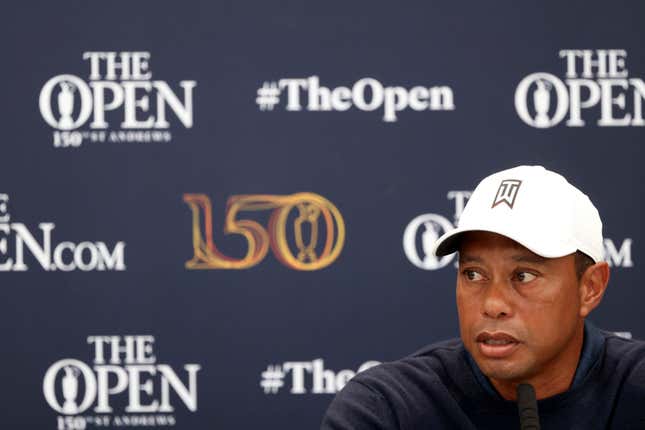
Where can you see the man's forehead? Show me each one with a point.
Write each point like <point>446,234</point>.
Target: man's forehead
<point>475,245</point>
<point>521,257</point>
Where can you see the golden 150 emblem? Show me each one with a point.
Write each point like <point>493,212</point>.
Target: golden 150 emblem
<point>312,209</point>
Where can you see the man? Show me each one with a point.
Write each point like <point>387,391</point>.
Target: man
<point>530,271</point>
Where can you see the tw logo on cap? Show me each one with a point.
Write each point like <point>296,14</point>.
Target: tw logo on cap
<point>507,192</point>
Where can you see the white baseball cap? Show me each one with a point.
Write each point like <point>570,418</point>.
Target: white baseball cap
<point>535,207</point>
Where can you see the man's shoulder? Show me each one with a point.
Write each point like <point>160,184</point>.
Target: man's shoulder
<point>413,392</point>
<point>432,363</point>
<point>626,357</point>
<point>449,346</point>
<point>627,350</point>
<point>624,368</point>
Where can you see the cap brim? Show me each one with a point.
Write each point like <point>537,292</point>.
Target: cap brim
<point>449,243</point>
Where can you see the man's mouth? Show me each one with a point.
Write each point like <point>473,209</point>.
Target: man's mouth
<point>496,344</point>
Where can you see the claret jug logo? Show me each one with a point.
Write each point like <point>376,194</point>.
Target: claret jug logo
<point>316,240</point>
<point>596,85</point>
<point>124,371</point>
<point>65,256</point>
<point>119,89</point>
<point>424,230</point>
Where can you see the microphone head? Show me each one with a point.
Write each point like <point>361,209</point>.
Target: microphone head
<point>525,393</point>
<point>527,407</point>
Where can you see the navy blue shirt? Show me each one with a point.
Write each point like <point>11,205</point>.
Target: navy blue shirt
<point>441,387</point>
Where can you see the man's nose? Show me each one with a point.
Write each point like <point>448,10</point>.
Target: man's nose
<point>497,301</point>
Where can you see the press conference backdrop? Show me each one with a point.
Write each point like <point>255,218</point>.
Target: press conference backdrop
<point>214,214</point>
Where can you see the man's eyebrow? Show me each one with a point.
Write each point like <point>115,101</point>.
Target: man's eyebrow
<point>465,258</point>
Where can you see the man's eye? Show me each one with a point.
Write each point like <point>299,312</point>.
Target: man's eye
<point>473,275</point>
<point>525,276</point>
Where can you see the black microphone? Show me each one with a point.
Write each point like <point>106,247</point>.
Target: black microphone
<point>527,407</point>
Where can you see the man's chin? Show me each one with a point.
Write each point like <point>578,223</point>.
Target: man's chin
<point>506,375</point>
<point>503,370</point>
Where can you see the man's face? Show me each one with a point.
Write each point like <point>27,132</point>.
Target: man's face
<point>519,313</point>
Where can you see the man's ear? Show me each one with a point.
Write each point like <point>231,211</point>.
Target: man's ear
<point>593,284</point>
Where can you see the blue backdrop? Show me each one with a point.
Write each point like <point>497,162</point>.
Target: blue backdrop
<point>212,214</point>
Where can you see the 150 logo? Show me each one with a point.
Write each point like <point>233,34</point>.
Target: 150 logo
<point>309,213</point>
<point>118,82</point>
